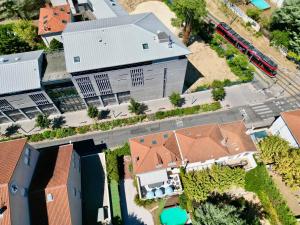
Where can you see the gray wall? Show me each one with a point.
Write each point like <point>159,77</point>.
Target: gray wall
<point>74,183</point>
<point>120,80</point>
<point>19,205</point>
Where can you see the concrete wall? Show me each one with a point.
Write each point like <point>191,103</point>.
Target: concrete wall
<point>74,190</point>
<point>19,205</point>
<point>280,128</point>
<point>120,80</point>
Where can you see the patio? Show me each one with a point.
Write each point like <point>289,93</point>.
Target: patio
<point>159,184</point>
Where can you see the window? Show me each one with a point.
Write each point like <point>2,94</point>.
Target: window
<point>145,46</point>
<point>50,197</point>
<point>137,77</point>
<point>64,21</point>
<point>142,140</point>
<point>14,188</point>
<point>154,142</point>
<point>76,59</point>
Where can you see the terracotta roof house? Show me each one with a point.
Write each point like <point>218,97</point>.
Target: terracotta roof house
<point>287,126</point>
<point>52,21</point>
<point>55,191</point>
<point>156,158</point>
<point>17,164</point>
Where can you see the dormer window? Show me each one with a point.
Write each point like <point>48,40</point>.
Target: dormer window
<point>76,59</point>
<point>14,188</point>
<point>50,197</point>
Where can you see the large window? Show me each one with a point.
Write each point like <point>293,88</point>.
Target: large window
<point>137,77</point>
<point>103,84</point>
<point>85,86</point>
<point>39,99</point>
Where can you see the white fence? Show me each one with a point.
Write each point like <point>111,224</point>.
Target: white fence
<point>242,15</point>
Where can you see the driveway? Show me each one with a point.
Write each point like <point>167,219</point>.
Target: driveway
<point>132,214</point>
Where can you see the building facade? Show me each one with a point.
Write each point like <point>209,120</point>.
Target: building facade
<point>21,93</point>
<point>287,127</point>
<point>124,57</point>
<point>17,161</point>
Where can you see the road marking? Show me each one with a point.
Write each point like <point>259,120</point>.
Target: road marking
<point>265,112</point>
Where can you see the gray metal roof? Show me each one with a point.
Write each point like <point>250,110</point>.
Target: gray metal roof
<point>118,41</point>
<point>20,72</point>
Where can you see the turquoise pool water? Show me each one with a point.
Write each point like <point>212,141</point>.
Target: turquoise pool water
<point>260,134</point>
<point>173,216</point>
<point>260,4</point>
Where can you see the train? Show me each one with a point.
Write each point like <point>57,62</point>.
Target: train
<point>264,63</point>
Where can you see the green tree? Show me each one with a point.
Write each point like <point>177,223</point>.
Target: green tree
<point>20,9</point>
<point>254,13</point>
<point>175,99</point>
<point>191,13</point>
<point>27,32</point>
<point>136,107</point>
<point>11,43</point>
<point>287,19</point>
<point>55,45</point>
<point>210,214</point>
<point>93,112</point>
<point>272,148</point>
<point>12,129</point>
<point>218,94</point>
<point>280,38</point>
<point>42,121</point>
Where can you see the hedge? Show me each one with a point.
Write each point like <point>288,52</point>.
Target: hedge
<point>258,180</point>
<point>108,125</point>
<point>115,202</point>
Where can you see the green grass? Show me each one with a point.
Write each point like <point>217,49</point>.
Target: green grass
<point>259,181</point>
<point>115,199</point>
<point>158,211</point>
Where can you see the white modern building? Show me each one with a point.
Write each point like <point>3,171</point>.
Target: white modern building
<point>287,126</point>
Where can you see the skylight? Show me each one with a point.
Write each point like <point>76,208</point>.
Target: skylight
<point>145,46</point>
<point>76,59</point>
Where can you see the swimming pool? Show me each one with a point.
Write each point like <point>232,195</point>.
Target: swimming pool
<point>260,4</point>
<point>174,216</point>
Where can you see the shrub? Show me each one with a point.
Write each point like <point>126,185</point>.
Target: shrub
<point>36,137</point>
<point>254,13</point>
<point>218,94</point>
<point>83,129</point>
<point>46,134</point>
<point>65,132</point>
<point>55,45</point>
<point>11,130</point>
<point>92,112</point>
<point>175,99</point>
<point>136,107</point>
<point>42,121</point>
<point>142,203</point>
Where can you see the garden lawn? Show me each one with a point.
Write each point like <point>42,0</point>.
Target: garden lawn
<point>259,181</point>
<point>115,199</point>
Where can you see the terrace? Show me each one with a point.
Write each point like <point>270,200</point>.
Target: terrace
<point>159,184</point>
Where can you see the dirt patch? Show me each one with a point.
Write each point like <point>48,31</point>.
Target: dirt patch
<point>160,10</point>
<point>130,5</point>
<point>211,66</point>
<point>216,8</point>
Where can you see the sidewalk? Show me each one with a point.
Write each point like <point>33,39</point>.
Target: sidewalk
<point>236,95</point>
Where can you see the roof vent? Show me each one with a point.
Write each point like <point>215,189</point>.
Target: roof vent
<point>17,58</point>
<point>154,142</point>
<point>170,44</point>
<point>50,197</point>
<point>162,36</point>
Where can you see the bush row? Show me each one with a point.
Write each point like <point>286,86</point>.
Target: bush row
<point>108,125</point>
<point>259,181</point>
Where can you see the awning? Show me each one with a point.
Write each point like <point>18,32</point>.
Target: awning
<point>153,177</point>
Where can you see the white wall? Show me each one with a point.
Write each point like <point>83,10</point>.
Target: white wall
<point>19,205</point>
<point>74,185</point>
<point>280,128</point>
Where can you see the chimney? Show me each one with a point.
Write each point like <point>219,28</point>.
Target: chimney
<point>2,209</point>
<point>224,141</point>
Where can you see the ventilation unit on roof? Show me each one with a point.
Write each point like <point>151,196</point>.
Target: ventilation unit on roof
<point>17,58</point>
<point>170,44</point>
<point>50,197</point>
<point>162,36</point>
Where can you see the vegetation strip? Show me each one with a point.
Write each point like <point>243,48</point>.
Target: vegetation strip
<point>259,181</point>
<point>58,133</point>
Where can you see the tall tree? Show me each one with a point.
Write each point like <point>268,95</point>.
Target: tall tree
<point>191,13</point>
<point>10,42</point>
<point>26,31</point>
<point>210,214</point>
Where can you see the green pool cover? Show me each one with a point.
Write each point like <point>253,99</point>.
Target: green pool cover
<point>173,216</point>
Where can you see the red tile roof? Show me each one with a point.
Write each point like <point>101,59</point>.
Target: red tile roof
<point>194,144</point>
<point>54,19</point>
<point>292,120</point>
<point>10,152</point>
<point>51,177</point>
<point>154,151</point>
